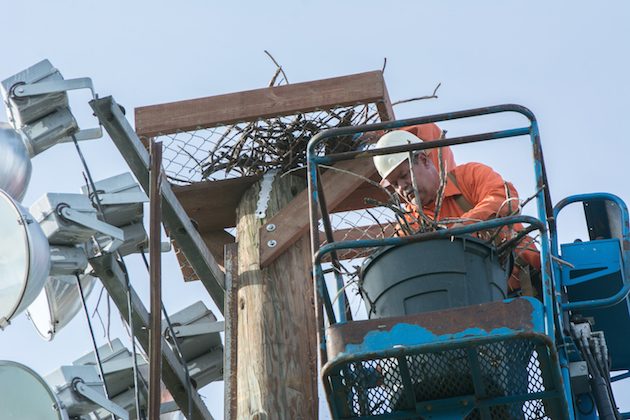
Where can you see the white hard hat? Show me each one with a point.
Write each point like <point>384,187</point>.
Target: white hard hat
<point>385,164</point>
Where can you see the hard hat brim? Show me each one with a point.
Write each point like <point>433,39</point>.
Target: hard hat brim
<point>384,181</point>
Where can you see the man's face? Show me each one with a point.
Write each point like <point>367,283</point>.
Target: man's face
<point>427,180</point>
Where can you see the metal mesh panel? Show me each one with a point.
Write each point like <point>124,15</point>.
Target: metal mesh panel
<point>506,375</point>
<point>252,148</point>
<point>354,225</point>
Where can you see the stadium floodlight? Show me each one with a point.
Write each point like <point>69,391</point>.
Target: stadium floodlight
<point>15,164</point>
<point>198,337</point>
<point>80,391</point>
<point>37,106</point>
<point>197,332</point>
<point>24,259</point>
<point>121,200</point>
<point>117,362</point>
<point>25,395</point>
<point>58,303</point>
<point>70,219</point>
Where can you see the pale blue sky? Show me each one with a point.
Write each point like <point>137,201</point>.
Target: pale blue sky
<point>567,61</point>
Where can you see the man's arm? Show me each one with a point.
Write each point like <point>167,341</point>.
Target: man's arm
<point>486,191</point>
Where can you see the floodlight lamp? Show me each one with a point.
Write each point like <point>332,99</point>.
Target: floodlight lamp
<point>197,332</point>
<point>58,303</point>
<point>121,199</point>
<point>70,219</point>
<point>80,391</point>
<point>25,395</point>
<point>24,259</point>
<point>115,357</point>
<point>15,164</point>
<point>37,105</point>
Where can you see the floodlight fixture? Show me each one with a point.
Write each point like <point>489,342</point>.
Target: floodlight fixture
<point>121,199</point>
<point>25,395</point>
<point>58,303</point>
<point>15,163</point>
<point>197,332</point>
<point>117,362</point>
<point>24,259</point>
<point>80,391</point>
<point>37,106</point>
<point>70,219</point>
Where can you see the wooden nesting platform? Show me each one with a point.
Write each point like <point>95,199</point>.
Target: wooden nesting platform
<point>211,204</point>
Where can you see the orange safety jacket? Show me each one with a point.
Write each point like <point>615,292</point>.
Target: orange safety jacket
<point>474,192</point>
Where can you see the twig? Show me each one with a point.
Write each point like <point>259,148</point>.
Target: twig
<point>275,76</point>
<point>377,222</point>
<point>277,65</point>
<point>199,164</point>
<point>420,98</point>
<point>440,193</point>
<point>400,215</point>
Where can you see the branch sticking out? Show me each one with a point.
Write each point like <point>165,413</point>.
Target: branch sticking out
<point>420,98</point>
<point>278,71</point>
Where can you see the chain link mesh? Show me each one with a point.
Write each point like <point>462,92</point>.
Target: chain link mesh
<point>253,148</point>
<point>466,375</point>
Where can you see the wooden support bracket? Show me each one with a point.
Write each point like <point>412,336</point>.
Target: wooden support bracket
<point>292,222</point>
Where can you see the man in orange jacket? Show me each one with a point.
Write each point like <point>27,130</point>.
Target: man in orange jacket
<point>472,192</point>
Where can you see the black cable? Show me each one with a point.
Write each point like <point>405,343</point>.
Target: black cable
<point>123,267</point>
<point>602,359</point>
<point>92,186</point>
<point>97,200</point>
<point>89,175</point>
<point>179,351</point>
<point>96,355</point>
<point>598,385</point>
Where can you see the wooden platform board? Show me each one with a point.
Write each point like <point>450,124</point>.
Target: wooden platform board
<point>211,204</point>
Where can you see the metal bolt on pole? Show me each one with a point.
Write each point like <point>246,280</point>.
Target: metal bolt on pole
<point>155,270</point>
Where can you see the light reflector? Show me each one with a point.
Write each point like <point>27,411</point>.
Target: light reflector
<point>15,163</point>
<point>58,303</point>
<point>25,395</point>
<point>24,258</point>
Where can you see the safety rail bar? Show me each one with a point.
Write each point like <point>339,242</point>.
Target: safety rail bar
<point>441,233</point>
<point>400,240</point>
<point>625,228</point>
<point>578,198</point>
<point>543,200</point>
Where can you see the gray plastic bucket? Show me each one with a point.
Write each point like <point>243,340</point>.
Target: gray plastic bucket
<point>432,275</point>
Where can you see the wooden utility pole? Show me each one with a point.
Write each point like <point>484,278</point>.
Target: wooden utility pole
<point>277,358</point>
<point>155,351</point>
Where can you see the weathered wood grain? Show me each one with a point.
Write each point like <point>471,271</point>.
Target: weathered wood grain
<point>277,372</point>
